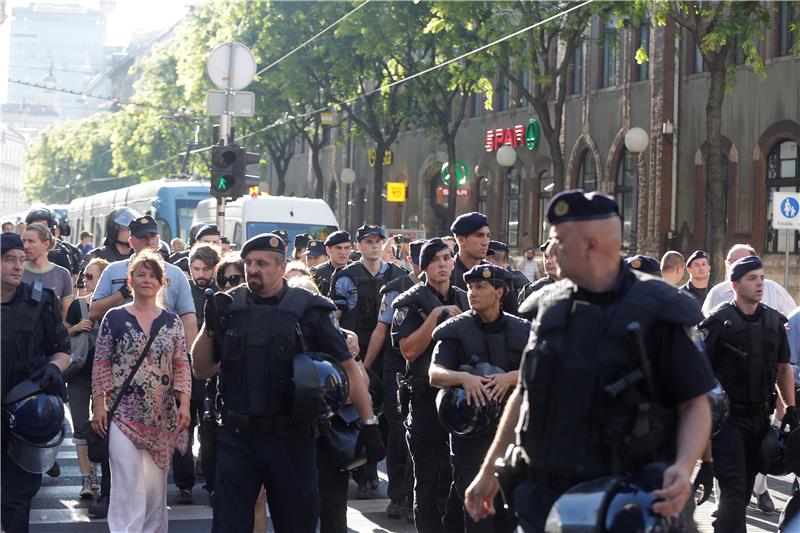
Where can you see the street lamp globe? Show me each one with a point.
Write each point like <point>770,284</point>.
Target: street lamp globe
<point>348,176</point>
<point>636,140</point>
<point>506,156</point>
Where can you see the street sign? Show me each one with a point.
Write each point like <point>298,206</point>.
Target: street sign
<point>411,234</point>
<point>395,191</point>
<point>243,103</point>
<point>786,210</point>
<point>327,118</point>
<point>231,66</point>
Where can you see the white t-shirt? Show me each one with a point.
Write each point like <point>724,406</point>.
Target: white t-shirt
<point>775,296</point>
<point>529,268</point>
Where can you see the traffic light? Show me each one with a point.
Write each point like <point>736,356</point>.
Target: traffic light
<point>229,178</point>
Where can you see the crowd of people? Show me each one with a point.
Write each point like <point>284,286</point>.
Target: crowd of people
<point>495,389</point>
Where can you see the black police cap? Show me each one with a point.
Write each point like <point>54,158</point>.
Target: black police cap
<point>267,242</point>
<point>207,231</point>
<point>10,241</point>
<point>429,251</point>
<point>469,223</point>
<point>544,245</point>
<point>576,205</point>
<point>697,254</point>
<point>367,230</point>
<point>744,265</point>
<point>142,226</point>
<point>644,263</point>
<point>497,246</point>
<point>315,248</point>
<point>301,240</point>
<point>487,272</point>
<point>337,237</point>
<point>415,247</point>
<point>282,234</point>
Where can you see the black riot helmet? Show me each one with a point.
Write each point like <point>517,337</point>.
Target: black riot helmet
<point>35,423</point>
<point>375,390</point>
<point>320,387</point>
<point>334,388</point>
<point>772,456</point>
<point>792,442</point>
<point>461,418</point>
<point>42,213</point>
<point>720,407</point>
<point>193,231</point>
<point>117,219</point>
<point>615,504</point>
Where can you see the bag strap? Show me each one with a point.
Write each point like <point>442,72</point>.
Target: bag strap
<point>84,307</point>
<point>153,332</point>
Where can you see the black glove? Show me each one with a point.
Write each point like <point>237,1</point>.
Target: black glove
<point>790,418</point>
<point>50,380</point>
<point>369,438</point>
<point>704,479</point>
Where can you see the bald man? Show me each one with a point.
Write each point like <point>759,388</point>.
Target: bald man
<point>581,345</point>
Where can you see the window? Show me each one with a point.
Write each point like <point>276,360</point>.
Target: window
<point>627,192</point>
<point>610,55</point>
<point>643,70</point>
<point>577,69</point>
<point>546,185</point>
<point>699,64</point>
<point>587,174</point>
<point>483,195</point>
<point>477,105</point>
<point>525,80</point>
<point>787,15</point>
<point>504,95</point>
<point>511,212</point>
<point>783,175</point>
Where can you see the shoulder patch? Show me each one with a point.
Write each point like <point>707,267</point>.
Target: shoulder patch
<point>334,321</point>
<point>702,333</point>
<point>400,315</point>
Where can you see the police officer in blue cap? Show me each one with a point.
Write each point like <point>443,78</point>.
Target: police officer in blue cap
<point>550,277</point>
<point>484,335</point>
<point>266,438</point>
<point>611,380</point>
<point>416,313</point>
<point>499,255</point>
<point>337,247</point>
<point>749,352</point>
<point>35,347</point>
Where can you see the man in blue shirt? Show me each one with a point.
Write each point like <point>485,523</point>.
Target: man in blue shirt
<point>793,333</point>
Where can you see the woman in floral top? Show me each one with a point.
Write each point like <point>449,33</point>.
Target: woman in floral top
<point>147,426</point>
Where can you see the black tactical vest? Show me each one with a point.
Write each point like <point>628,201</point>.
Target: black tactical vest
<point>503,349</point>
<point>364,316</point>
<point>322,277</point>
<point>748,371</point>
<point>255,375</point>
<point>574,428</point>
<point>22,334</point>
<point>420,300</point>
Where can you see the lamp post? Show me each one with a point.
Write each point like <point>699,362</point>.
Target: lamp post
<point>348,177</point>
<point>636,140</point>
<point>506,156</point>
<point>50,80</point>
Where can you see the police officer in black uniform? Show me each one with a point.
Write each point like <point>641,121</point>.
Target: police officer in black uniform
<point>35,346</point>
<point>484,334</point>
<point>337,246</point>
<point>645,264</point>
<point>749,352</point>
<point>62,253</point>
<point>498,254</point>
<point>698,285</point>
<point>115,246</point>
<point>182,256</point>
<point>416,313</point>
<point>612,379</point>
<point>263,440</point>
<point>550,277</point>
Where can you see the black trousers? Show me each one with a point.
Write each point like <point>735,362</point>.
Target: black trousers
<point>333,486</point>
<point>735,452</point>
<point>208,438</point>
<point>398,461</point>
<point>285,465</point>
<point>17,489</point>
<point>183,465</point>
<point>428,444</point>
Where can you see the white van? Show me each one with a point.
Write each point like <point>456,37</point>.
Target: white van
<point>249,216</point>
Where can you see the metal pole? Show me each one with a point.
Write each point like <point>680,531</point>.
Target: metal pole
<point>221,215</point>
<point>786,262</point>
<point>225,132</point>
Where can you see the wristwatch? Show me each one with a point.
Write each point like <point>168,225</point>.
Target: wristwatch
<point>372,421</point>
<point>125,291</point>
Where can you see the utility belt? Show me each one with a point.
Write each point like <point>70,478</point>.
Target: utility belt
<point>247,426</point>
<point>752,409</point>
<point>554,482</point>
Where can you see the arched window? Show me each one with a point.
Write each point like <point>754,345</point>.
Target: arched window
<point>483,194</point>
<point>511,211</point>
<point>587,173</point>
<point>626,190</point>
<point>783,175</point>
<point>545,193</point>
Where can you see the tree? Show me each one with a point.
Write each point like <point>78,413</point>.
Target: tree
<point>718,28</point>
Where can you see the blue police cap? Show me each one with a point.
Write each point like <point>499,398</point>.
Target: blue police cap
<point>429,251</point>
<point>644,263</point>
<point>469,223</point>
<point>10,241</point>
<point>142,226</point>
<point>366,230</point>
<point>282,234</point>
<point>697,254</point>
<point>301,240</point>
<point>744,265</point>
<point>487,272</point>
<point>268,242</point>
<point>574,205</point>
<point>497,246</point>
<point>315,248</point>
<point>337,237</point>
<point>415,247</point>
<point>206,231</point>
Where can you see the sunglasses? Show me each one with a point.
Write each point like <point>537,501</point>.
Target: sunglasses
<point>236,279</point>
<point>88,276</point>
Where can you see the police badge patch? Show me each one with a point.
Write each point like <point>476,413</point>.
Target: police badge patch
<point>702,333</point>
<point>384,305</point>
<point>335,322</point>
<point>400,315</point>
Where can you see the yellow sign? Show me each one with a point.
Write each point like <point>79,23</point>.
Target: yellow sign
<point>328,118</point>
<point>372,155</point>
<point>395,191</point>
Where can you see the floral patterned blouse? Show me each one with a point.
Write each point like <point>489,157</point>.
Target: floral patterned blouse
<point>147,414</point>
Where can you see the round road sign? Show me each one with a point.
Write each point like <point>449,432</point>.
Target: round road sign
<point>231,66</point>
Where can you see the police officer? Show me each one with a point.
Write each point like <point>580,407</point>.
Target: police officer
<point>398,464</point>
<point>115,246</point>
<point>338,247</point>
<point>315,253</point>
<point>35,346</point>
<point>416,313</point>
<point>749,352</point>
<point>62,253</point>
<point>484,334</point>
<point>301,241</point>
<point>206,233</point>
<point>699,268</point>
<point>262,440</point>
<point>610,370</point>
<point>551,276</point>
<point>498,254</point>
<point>644,263</point>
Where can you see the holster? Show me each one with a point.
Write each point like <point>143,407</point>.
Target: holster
<point>403,393</point>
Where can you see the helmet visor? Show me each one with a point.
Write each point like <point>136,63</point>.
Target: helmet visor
<point>32,458</point>
<point>125,216</point>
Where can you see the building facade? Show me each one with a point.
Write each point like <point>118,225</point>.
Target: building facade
<point>12,171</point>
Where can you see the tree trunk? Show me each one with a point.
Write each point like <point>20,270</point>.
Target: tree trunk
<point>452,169</point>
<point>317,166</point>
<point>717,179</point>
<point>377,185</point>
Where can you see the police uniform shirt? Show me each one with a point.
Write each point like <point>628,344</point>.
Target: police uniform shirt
<point>680,368</point>
<point>457,279</point>
<point>49,329</point>
<point>177,294</point>
<point>345,293</point>
<point>109,253</point>
<point>406,321</point>
<point>448,352</point>
<point>699,294</point>
<point>793,336</point>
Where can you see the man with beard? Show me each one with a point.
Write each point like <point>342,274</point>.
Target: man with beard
<point>338,248</point>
